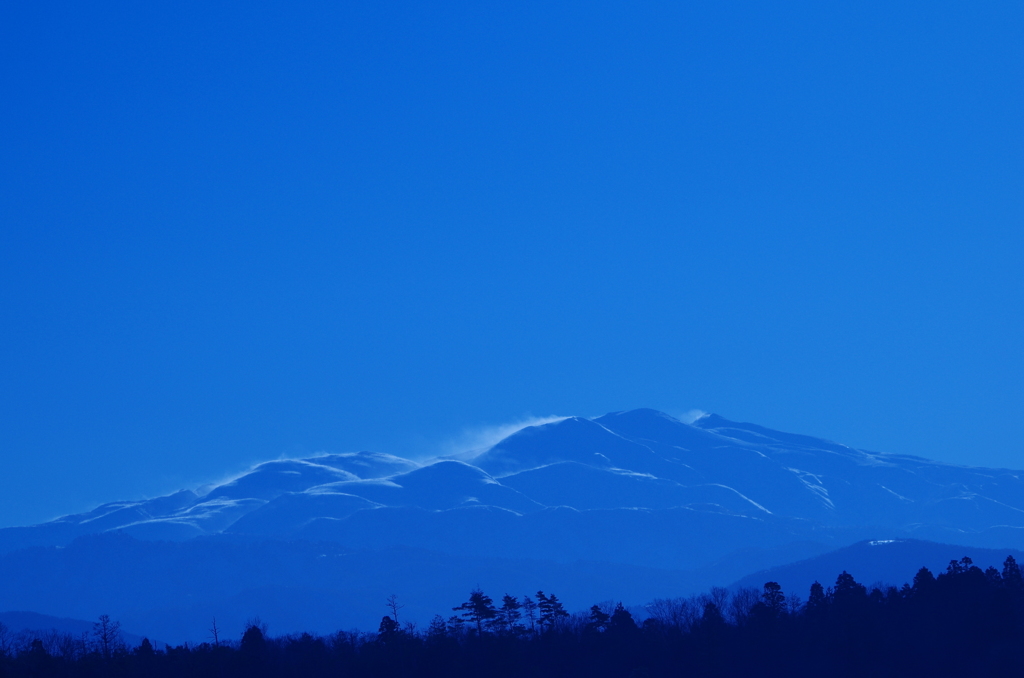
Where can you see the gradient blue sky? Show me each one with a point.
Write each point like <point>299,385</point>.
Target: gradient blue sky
<point>235,231</point>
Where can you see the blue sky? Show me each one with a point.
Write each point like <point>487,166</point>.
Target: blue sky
<point>235,231</point>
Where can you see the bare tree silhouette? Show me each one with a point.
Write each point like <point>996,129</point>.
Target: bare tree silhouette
<point>108,635</point>
<point>392,604</point>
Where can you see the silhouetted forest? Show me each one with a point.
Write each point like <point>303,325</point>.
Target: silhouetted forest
<point>964,622</point>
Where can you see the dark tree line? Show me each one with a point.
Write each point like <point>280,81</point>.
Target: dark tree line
<point>963,622</point>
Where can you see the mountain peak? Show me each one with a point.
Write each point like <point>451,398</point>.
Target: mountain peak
<point>711,420</point>
<point>639,414</point>
<point>573,439</point>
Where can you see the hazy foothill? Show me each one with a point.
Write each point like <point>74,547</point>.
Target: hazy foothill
<point>964,620</point>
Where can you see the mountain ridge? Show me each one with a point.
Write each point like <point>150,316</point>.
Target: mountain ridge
<point>645,458</point>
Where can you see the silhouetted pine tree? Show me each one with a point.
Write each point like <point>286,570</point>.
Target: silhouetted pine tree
<point>509,613</point>
<point>923,580</point>
<point>774,599</point>
<point>598,619</point>
<point>621,621</point>
<point>817,603</point>
<point>551,610</point>
<point>1011,574</point>
<point>388,630</point>
<point>478,610</point>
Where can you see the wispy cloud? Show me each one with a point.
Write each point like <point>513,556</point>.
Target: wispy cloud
<point>474,440</point>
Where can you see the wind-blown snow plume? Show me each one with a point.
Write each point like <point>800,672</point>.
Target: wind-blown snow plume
<point>691,416</point>
<point>473,441</point>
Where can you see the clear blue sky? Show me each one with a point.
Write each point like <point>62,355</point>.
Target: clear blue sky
<point>235,231</point>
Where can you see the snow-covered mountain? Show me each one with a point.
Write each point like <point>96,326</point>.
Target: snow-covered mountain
<point>714,499</point>
<point>641,462</point>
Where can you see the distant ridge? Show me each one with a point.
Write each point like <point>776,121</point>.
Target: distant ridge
<point>888,561</point>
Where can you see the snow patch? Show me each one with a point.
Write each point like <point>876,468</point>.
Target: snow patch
<point>898,495</point>
<point>814,484</point>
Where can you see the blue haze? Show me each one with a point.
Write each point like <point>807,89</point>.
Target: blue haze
<point>231,232</point>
